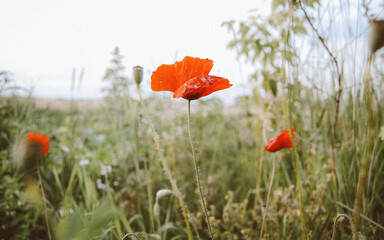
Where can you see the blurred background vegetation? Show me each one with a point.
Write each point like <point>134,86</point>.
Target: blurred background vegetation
<point>102,174</point>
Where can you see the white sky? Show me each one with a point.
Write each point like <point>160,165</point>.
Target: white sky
<point>41,41</point>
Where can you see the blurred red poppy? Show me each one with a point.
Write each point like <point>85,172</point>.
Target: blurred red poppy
<point>188,79</point>
<point>283,140</point>
<point>40,139</point>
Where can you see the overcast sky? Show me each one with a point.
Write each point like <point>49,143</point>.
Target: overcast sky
<point>42,41</point>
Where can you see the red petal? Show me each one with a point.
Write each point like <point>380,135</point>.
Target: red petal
<point>171,77</point>
<point>40,139</point>
<point>281,141</point>
<point>192,67</point>
<point>164,78</point>
<point>201,86</point>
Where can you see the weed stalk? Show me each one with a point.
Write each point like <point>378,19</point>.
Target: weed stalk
<point>167,171</point>
<point>268,195</point>
<point>369,147</point>
<point>147,173</point>
<point>288,122</point>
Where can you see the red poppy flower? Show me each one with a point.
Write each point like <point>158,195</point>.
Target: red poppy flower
<point>280,141</point>
<point>188,79</point>
<point>40,139</point>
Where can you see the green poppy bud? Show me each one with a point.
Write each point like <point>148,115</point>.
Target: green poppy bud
<point>138,74</point>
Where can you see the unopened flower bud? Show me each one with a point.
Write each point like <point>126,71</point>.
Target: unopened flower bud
<point>376,34</point>
<point>138,74</point>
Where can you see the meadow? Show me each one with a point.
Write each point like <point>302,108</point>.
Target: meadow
<point>123,168</point>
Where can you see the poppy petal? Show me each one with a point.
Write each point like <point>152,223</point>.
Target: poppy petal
<point>164,78</point>
<point>192,67</point>
<point>215,84</point>
<point>201,86</point>
<point>171,77</point>
<point>39,139</point>
<point>283,140</point>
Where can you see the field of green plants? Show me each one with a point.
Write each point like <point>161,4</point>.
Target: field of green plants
<point>124,169</point>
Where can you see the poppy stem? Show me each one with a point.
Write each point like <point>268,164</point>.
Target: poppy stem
<point>197,174</point>
<point>167,171</point>
<point>268,196</point>
<point>45,205</point>
<point>258,181</point>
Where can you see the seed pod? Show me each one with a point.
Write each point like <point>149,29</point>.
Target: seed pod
<point>138,74</point>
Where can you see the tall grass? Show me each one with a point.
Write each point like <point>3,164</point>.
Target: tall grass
<point>102,173</point>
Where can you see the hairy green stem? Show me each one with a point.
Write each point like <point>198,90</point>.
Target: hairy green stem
<point>197,174</point>
<point>149,193</point>
<point>147,174</point>
<point>258,181</point>
<point>262,149</point>
<point>167,171</point>
<point>268,195</point>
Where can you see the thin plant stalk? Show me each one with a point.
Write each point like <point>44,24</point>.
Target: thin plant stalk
<point>136,163</point>
<point>288,122</point>
<point>147,176</point>
<point>149,193</point>
<point>299,191</point>
<point>260,168</point>
<point>258,181</point>
<point>167,171</point>
<point>297,167</point>
<point>369,148</point>
<point>268,195</point>
<point>198,175</point>
<point>338,96</point>
<point>45,205</point>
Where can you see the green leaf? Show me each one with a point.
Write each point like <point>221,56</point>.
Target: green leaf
<point>70,226</point>
<point>228,24</point>
<point>300,29</point>
<point>273,86</point>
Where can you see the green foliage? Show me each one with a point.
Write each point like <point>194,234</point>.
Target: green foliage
<point>102,172</point>
<point>92,184</point>
<point>76,225</point>
<point>260,39</point>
